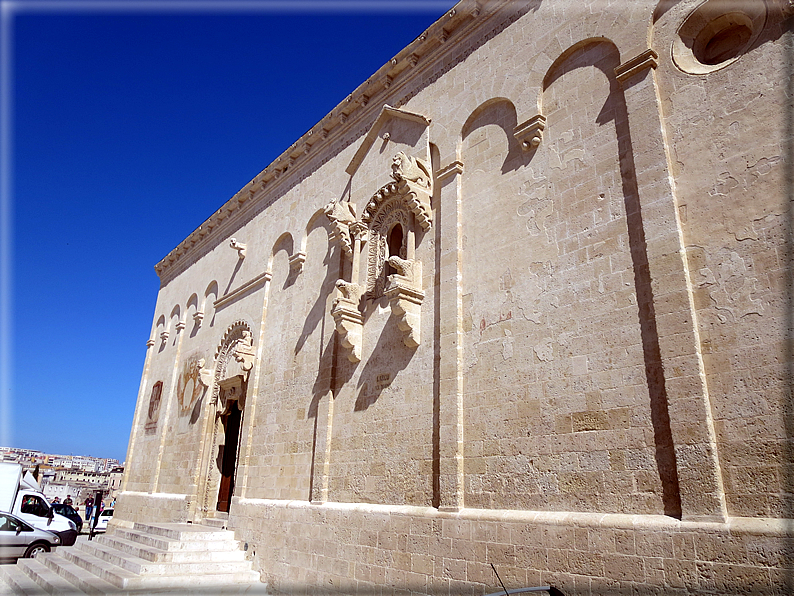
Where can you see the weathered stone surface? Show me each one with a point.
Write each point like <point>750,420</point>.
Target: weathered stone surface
<point>543,327</point>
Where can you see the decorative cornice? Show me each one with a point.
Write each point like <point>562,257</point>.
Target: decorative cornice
<point>461,21</point>
<point>240,290</point>
<point>645,60</point>
<point>455,168</point>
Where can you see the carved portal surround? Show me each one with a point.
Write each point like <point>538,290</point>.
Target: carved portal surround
<point>387,227</point>
<point>228,378</point>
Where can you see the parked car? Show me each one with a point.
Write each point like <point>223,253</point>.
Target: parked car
<point>103,519</point>
<point>21,496</point>
<point>19,539</point>
<point>68,512</point>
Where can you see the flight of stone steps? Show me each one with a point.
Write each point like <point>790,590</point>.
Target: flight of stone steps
<point>147,559</point>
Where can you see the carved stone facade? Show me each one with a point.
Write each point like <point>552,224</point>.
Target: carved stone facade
<point>521,299</point>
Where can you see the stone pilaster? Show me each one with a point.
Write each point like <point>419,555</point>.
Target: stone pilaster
<point>691,423</point>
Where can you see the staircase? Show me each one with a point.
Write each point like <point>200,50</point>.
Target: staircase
<point>147,559</point>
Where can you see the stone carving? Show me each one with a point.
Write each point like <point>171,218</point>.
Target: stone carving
<point>243,351</point>
<point>348,318</point>
<point>405,297</point>
<point>404,167</point>
<point>239,247</point>
<point>341,214</point>
<point>530,133</point>
<point>235,355</point>
<point>403,202</point>
<point>153,412</point>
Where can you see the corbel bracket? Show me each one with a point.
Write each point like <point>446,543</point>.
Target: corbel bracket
<point>348,318</point>
<point>405,298</point>
<point>296,261</point>
<point>530,133</point>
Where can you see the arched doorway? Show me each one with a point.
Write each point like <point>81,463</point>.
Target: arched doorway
<point>233,361</point>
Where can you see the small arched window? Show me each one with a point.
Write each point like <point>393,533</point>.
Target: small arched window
<point>395,244</point>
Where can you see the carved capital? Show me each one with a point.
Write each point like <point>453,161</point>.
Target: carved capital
<point>198,316</point>
<point>530,133</point>
<point>150,343</point>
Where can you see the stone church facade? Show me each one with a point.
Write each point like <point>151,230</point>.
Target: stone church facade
<point>521,299</point>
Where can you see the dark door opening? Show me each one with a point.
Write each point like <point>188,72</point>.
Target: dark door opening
<point>231,422</point>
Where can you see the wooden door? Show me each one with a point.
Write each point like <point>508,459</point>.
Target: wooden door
<point>231,423</point>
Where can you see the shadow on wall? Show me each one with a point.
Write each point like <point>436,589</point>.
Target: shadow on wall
<point>605,57</point>
<point>389,356</point>
<point>502,113</point>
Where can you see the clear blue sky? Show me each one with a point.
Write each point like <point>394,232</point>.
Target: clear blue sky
<point>128,128</point>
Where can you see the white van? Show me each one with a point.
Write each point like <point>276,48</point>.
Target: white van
<point>20,495</point>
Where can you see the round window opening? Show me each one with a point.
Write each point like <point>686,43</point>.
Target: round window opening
<point>717,33</point>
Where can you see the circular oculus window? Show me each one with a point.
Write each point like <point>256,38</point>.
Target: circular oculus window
<point>716,33</point>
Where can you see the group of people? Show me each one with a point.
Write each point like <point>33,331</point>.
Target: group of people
<point>89,505</point>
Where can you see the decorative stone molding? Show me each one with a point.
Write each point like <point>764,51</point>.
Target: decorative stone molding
<point>243,351</point>
<point>412,183</point>
<point>164,335</point>
<point>530,133</point>
<point>180,325</point>
<point>643,61</point>
<point>341,214</point>
<point>205,373</point>
<point>296,261</point>
<point>235,354</point>
<point>242,289</point>
<point>348,318</point>
<point>150,343</point>
<point>198,317</point>
<point>239,247</point>
<point>405,295</point>
<point>398,207</point>
<point>455,168</point>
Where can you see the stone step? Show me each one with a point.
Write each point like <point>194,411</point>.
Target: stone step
<point>189,532</point>
<point>86,582</point>
<point>46,578</point>
<point>226,542</point>
<point>225,552</point>
<point>198,563</point>
<point>108,572</point>
<point>20,582</point>
<point>216,522</point>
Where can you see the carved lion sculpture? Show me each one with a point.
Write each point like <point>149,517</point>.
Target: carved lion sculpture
<point>405,167</point>
<point>349,290</point>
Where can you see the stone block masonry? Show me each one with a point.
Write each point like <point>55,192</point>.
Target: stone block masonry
<point>520,300</point>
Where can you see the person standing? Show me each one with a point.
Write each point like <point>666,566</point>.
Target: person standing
<point>67,500</point>
<point>89,508</point>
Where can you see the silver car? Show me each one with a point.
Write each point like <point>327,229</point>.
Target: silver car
<point>18,539</point>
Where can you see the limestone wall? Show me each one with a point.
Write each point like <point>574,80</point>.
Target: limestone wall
<point>582,378</point>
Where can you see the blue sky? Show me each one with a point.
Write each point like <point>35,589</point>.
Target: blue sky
<point>126,124</point>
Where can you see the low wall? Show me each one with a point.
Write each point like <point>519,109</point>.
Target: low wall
<point>151,507</point>
<point>301,547</point>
